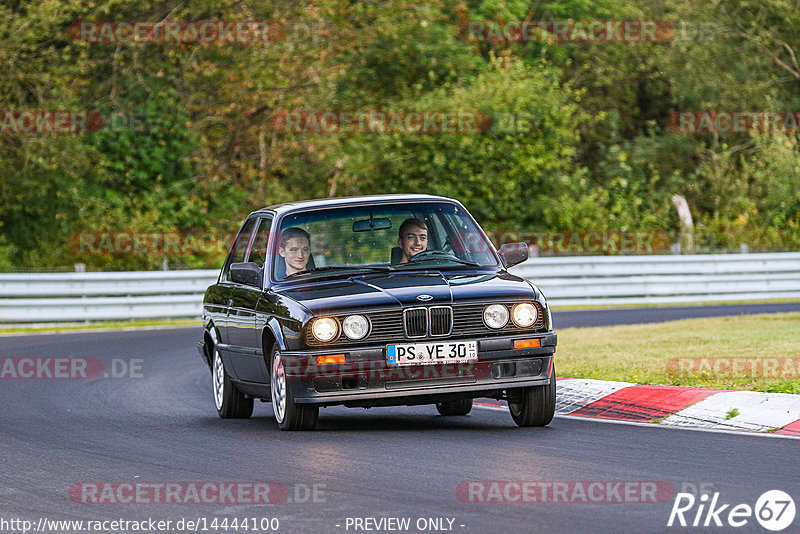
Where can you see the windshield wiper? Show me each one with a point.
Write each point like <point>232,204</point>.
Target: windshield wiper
<point>330,268</point>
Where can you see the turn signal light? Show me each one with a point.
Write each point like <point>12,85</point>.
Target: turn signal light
<point>330,358</point>
<point>527,343</point>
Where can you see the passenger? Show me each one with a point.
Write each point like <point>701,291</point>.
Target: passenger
<point>413,238</point>
<point>295,249</point>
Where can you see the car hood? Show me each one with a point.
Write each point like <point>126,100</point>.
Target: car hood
<point>394,290</point>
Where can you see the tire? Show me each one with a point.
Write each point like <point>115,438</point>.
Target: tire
<point>458,407</point>
<point>230,402</point>
<point>535,405</point>
<point>288,414</point>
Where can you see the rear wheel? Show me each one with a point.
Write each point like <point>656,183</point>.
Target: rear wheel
<point>288,414</point>
<point>230,402</point>
<point>535,405</point>
<point>458,407</point>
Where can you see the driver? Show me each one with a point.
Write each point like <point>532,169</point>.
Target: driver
<point>295,248</point>
<point>413,238</point>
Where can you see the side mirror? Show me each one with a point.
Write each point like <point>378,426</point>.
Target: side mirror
<point>248,273</point>
<point>513,253</point>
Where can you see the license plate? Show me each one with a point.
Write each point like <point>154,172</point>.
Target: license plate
<point>429,353</point>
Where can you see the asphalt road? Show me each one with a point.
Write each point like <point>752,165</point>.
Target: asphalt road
<point>157,424</point>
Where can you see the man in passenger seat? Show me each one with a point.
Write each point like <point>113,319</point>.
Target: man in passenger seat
<point>295,248</point>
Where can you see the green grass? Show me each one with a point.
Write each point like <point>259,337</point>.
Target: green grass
<point>684,353</point>
<point>99,325</point>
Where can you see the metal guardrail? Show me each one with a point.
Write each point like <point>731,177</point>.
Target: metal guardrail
<point>601,280</point>
<point>588,280</point>
<point>55,297</point>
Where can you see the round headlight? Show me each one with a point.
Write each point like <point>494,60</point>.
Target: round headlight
<point>325,329</point>
<point>495,316</point>
<point>355,326</point>
<point>524,314</point>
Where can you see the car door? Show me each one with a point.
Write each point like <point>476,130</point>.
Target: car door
<point>244,338</point>
<point>225,289</point>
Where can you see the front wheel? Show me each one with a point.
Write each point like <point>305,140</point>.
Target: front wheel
<point>458,407</point>
<point>288,414</point>
<point>230,402</point>
<point>534,405</point>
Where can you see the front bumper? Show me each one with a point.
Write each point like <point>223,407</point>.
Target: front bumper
<point>365,375</point>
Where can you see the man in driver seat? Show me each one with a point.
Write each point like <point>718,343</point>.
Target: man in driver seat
<point>413,238</point>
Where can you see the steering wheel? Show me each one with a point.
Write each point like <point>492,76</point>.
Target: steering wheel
<point>431,254</point>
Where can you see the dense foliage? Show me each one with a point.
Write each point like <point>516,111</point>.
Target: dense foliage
<point>578,138</point>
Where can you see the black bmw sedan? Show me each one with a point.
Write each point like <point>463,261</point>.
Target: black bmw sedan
<point>375,301</point>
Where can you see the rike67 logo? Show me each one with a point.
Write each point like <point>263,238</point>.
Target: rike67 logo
<point>774,510</point>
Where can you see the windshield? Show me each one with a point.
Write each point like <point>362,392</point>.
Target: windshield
<point>380,238</point>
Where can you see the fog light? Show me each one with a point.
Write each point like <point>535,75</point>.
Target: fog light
<point>504,369</point>
<point>529,367</point>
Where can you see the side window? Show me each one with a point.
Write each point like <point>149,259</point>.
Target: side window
<point>236,255</point>
<point>258,252</point>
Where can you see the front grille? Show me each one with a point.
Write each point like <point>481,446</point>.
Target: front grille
<point>393,326</point>
<point>441,320</point>
<point>416,322</point>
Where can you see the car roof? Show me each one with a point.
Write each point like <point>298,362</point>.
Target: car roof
<point>349,201</point>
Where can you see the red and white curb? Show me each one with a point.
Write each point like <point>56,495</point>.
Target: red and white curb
<point>677,406</point>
